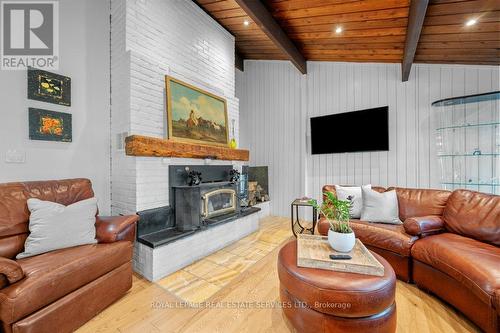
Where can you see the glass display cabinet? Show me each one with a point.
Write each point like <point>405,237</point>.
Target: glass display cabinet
<point>468,142</point>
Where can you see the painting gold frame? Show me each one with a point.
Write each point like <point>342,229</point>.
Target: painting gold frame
<point>168,80</point>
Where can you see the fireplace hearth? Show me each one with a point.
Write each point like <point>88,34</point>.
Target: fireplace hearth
<point>193,208</point>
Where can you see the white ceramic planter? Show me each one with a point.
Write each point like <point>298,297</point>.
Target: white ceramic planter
<point>341,242</point>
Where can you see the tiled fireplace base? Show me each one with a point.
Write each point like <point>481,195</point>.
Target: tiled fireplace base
<point>156,263</point>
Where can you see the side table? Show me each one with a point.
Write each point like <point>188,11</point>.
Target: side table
<point>298,228</point>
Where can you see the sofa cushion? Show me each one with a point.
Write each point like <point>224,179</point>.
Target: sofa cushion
<point>53,275</point>
<point>474,214</point>
<point>419,202</point>
<point>470,262</point>
<point>331,188</point>
<point>380,207</point>
<point>391,237</point>
<point>352,194</point>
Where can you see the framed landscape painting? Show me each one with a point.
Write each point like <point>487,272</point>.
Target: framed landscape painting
<point>48,125</point>
<point>195,115</point>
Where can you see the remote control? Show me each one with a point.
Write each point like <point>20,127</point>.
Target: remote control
<point>340,256</point>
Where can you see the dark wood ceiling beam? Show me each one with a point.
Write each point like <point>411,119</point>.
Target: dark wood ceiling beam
<point>239,61</point>
<point>261,16</point>
<point>415,22</point>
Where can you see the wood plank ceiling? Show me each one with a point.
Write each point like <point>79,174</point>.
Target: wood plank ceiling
<point>446,38</point>
<point>372,30</point>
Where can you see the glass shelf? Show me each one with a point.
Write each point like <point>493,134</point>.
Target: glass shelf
<point>468,99</point>
<point>470,184</point>
<point>467,132</point>
<point>467,155</point>
<point>468,125</point>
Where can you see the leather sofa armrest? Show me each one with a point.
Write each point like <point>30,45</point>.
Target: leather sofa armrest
<point>10,270</point>
<point>424,225</point>
<point>111,229</point>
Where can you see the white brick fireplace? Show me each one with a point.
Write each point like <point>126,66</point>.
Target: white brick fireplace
<point>151,39</point>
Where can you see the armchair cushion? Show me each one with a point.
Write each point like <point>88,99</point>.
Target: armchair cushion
<point>111,229</point>
<point>11,271</point>
<point>424,225</point>
<point>55,226</point>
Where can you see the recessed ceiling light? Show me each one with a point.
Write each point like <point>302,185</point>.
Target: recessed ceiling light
<point>471,22</point>
<point>338,30</point>
<point>246,23</point>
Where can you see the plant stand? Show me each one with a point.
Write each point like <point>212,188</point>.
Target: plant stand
<point>298,228</point>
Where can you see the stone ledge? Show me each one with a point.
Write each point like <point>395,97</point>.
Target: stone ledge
<point>156,263</point>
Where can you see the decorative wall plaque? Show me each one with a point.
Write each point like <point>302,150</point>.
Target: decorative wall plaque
<point>49,87</point>
<point>49,125</point>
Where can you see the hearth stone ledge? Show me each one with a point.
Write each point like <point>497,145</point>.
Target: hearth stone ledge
<point>156,263</point>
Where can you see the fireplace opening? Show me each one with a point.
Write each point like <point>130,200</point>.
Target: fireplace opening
<point>219,202</point>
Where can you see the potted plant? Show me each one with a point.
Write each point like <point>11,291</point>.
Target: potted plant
<point>340,235</point>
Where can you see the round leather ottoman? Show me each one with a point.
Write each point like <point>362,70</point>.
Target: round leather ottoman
<point>318,300</point>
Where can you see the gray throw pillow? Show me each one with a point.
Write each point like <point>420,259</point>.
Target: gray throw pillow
<point>54,226</point>
<point>380,207</point>
<point>353,192</point>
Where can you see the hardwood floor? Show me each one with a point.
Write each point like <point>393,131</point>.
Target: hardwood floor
<point>149,307</point>
<point>199,281</point>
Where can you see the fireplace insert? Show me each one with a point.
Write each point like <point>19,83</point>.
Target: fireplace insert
<point>213,201</point>
<point>219,202</point>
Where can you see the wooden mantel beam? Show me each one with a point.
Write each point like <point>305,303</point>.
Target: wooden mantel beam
<point>416,17</point>
<point>138,145</point>
<point>261,16</point>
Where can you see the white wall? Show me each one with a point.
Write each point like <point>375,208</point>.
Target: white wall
<point>84,56</point>
<point>272,126</point>
<point>276,104</point>
<point>151,39</point>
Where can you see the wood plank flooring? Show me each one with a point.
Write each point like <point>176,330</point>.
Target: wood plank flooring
<point>201,280</point>
<point>148,307</point>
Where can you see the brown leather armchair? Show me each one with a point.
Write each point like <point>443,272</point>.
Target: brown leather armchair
<point>448,245</point>
<point>60,290</point>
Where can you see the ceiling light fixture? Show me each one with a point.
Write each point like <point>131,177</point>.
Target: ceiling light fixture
<point>338,30</point>
<point>471,22</point>
<point>246,23</point>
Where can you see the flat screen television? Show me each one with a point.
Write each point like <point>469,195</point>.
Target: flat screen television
<point>357,131</point>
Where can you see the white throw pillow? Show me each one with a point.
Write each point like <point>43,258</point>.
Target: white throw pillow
<point>380,207</point>
<point>343,193</point>
<point>54,226</point>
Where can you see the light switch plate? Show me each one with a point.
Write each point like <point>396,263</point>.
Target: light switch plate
<point>15,156</point>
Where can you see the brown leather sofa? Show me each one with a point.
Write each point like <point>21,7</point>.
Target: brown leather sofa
<point>60,290</point>
<point>448,245</point>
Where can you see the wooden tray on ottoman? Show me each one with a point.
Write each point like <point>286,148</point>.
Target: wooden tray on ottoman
<point>313,251</point>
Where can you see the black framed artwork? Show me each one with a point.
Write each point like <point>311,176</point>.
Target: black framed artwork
<point>49,87</point>
<point>48,125</point>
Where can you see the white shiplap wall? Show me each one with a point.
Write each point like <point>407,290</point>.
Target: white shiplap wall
<point>272,126</point>
<point>276,103</point>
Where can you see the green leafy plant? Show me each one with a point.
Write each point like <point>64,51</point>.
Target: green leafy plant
<point>335,211</point>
